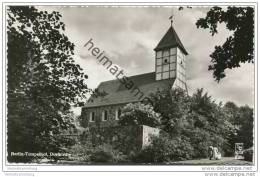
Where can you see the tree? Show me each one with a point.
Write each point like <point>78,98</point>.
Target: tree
<point>43,81</point>
<point>209,121</point>
<point>238,48</point>
<point>245,133</point>
<point>196,118</point>
<point>139,114</point>
<point>173,105</point>
<point>242,121</point>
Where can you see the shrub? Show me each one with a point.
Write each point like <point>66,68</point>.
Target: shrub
<point>104,153</point>
<point>80,152</point>
<point>107,154</point>
<point>248,154</point>
<point>165,149</point>
<point>139,114</point>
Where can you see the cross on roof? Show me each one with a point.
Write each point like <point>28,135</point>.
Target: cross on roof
<point>171,17</point>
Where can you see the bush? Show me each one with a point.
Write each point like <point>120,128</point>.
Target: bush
<point>164,149</point>
<point>139,114</point>
<point>248,154</point>
<point>106,154</point>
<point>80,152</point>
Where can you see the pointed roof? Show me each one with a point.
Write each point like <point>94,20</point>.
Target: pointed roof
<point>170,39</point>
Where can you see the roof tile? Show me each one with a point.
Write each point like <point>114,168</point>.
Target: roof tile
<point>117,93</point>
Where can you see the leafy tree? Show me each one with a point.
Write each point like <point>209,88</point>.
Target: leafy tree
<point>43,81</point>
<point>246,122</point>
<point>232,112</point>
<point>194,123</point>
<point>241,127</point>
<point>209,121</point>
<point>239,47</point>
<point>210,112</point>
<point>197,118</point>
<point>139,114</point>
<point>173,106</point>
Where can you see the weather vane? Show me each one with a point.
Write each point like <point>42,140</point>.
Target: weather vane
<point>171,17</point>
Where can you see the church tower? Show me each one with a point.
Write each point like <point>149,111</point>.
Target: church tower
<point>170,59</point>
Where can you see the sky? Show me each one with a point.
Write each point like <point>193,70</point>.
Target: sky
<point>128,36</point>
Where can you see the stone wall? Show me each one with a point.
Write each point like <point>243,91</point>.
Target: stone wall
<point>124,138</point>
<point>85,116</point>
<point>147,133</point>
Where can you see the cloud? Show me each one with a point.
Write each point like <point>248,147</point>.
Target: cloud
<point>128,36</point>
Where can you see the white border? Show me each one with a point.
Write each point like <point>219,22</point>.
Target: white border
<point>152,168</point>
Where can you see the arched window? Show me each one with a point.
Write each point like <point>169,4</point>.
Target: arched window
<point>118,114</point>
<point>91,117</point>
<point>105,115</point>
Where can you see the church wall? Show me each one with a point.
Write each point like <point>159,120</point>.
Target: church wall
<point>85,116</point>
<point>125,138</point>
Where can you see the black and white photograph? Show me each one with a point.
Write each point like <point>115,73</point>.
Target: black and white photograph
<point>130,85</point>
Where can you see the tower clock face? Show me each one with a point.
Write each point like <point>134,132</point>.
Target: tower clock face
<point>166,63</point>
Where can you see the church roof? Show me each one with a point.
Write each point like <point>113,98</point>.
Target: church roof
<point>117,93</point>
<point>170,39</point>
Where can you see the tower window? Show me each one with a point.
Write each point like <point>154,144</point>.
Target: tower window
<point>166,61</point>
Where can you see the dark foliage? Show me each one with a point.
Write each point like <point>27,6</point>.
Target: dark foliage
<point>165,149</point>
<point>242,120</point>
<point>107,154</point>
<point>248,154</point>
<point>198,122</point>
<point>238,48</point>
<point>139,114</point>
<point>173,107</point>
<point>43,81</point>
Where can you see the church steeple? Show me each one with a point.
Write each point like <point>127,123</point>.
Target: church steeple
<point>170,59</point>
<point>170,39</point>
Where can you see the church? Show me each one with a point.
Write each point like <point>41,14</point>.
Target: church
<point>170,72</point>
